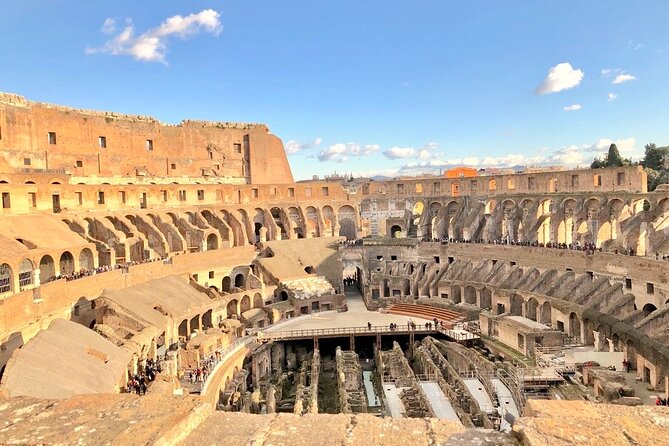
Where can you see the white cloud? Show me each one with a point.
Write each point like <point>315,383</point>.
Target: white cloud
<point>399,152</point>
<point>611,97</point>
<point>573,107</point>
<point>570,155</point>
<point>622,78</point>
<point>602,145</point>
<point>560,77</point>
<point>606,71</point>
<point>151,46</point>
<point>342,152</point>
<point>109,26</point>
<point>292,146</point>
<point>424,152</point>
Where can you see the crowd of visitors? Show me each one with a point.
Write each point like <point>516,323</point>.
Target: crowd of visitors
<point>204,368</point>
<point>588,247</point>
<point>411,325</point>
<point>139,383</point>
<point>349,281</point>
<point>103,269</point>
<point>347,243</point>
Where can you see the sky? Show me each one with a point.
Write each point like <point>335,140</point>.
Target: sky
<point>363,87</point>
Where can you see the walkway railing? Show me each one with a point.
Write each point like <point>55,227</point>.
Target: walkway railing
<point>225,354</point>
<point>459,334</point>
<point>342,331</point>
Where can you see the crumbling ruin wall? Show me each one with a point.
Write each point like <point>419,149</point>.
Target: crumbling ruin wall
<point>352,397</point>
<point>306,394</point>
<point>396,368</point>
<point>467,359</point>
<point>426,364</point>
<point>462,397</point>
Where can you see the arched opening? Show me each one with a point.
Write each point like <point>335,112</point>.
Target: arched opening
<point>278,219</point>
<point>516,305</point>
<point>195,323</point>
<point>347,229</point>
<point>66,263</point>
<point>470,295</point>
<point>395,231</point>
<point>207,319</point>
<point>47,269</point>
<point>284,296</point>
<point>92,324</point>
<point>574,326</point>
<point>245,304</point>
<point>225,284</point>
<point>257,229</point>
<point>183,328</point>
<point>239,280</point>
<point>630,353</point>
<point>212,242</point>
<point>257,300</point>
<point>587,335</point>
<point>545,316</point>
<point>26,273</point>
<point>486,299</point>
<point>313,229</point>
<point>456,293</point>
<point>406,287</point>
<point>310,270</point>
<point>232,308</point>
<point>648,308</point>
<point>328,219</point>
<point>531,309</point>
<point>86,259</point>
<point>6,278</point>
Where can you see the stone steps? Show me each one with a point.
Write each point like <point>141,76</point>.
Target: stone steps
<point>426,312</point>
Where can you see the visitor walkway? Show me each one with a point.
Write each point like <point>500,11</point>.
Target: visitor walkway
<point>441,406</point>
<point>506,403</point>
<point>479,393</point>
<point>342,332</point>
<point>393,401</point>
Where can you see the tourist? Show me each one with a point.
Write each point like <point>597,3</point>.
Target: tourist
<point>369,326</point>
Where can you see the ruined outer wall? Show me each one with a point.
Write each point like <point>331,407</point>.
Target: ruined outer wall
<point>269,163</point>
<point>640,270</point>
<point>85,197</point>
<point>629,179</point>
<point>193,148</point>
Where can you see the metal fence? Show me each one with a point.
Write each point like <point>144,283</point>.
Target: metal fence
<point>342,331</point>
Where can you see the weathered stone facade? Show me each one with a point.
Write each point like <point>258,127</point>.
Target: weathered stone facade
<point>193,200</point>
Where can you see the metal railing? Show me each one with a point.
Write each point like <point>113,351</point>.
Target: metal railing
<point>458,335</point>
<point>342,331</point>
<point>225,354</point>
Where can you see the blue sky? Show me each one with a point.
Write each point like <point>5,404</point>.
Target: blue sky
<point>368,87</point>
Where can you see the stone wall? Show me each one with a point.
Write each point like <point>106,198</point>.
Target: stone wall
<point>86,143</point>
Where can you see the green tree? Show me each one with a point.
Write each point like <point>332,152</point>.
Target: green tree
<point>656,158</point>
<point>656,164</point>
<point>598,163</point>
<point>613,158</point>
